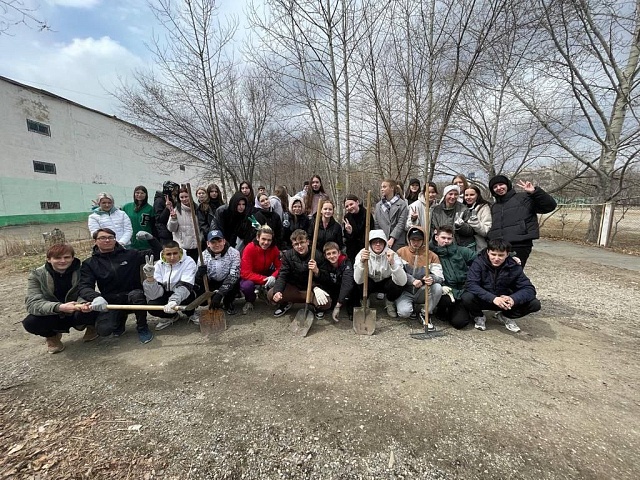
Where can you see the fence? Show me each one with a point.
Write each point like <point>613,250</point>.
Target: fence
<point>571,222</point>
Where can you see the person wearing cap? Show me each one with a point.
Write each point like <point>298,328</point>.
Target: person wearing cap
<point>222,267</point>
<point>454,214</point>
<point>386,272</point>
<point>163,201</point>
<point>415,261</point>
<point>169,282</point>
<point>116,272</point>
<point>259,266</point>
<point>515,214</point>
<point>106,215</point>
<point>291,285</point>
<point>354,225</point>
<point>411,195</point>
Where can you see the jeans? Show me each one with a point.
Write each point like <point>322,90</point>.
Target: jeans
<point>406,301</point>
<point>114,320</point>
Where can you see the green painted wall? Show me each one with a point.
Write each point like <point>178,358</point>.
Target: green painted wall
<point>19,208</point>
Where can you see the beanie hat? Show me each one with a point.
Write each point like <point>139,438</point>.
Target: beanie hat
<point>448,188</point>
<point>499,179</point>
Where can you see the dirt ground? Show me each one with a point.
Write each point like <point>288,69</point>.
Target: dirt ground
<point>559,400</point>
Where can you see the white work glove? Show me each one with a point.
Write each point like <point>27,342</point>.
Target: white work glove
<point>148,268</point>
<point>142,235</point>
<point>322,297</point>
<point>170,307</point>
<point>335,314</point>
<point>458,221</point>
<point>270,281</point>
<point>99,304</point>
<point>447,291</point>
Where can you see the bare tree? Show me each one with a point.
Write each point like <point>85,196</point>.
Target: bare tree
<point>16,12</point>
<point>579,79</point>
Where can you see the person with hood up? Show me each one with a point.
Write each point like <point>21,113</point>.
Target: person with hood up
<point>233,220</point>
<point>259,266</point>
<point>141,215</point>
<point>106,215</point>
<point>294,219</point>
<point>515,214</point>
<point>495,281</point>
<point>455,261</point>
<point>355,222</point>
<point>329,230</point>
<point>414,259</point>
<point>455,214</point>
<point>386,272</point>
<point>169,282</point>
<point>162,202</point>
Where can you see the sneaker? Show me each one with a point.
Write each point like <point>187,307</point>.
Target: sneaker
<point>247,307</point>
<point>319,314</point>
<point>413,315</point>
<point>167,322</point>
<point>230,310</point>
<point>54,344</point>
<point>391,309</point>
<point>144,334</point>
<point>282,309</point>
<point>118,332</point>
<point>430,327</point>
<point>380,296</point>
<point>480,322</point>
<point>90,334</point>
<point>510,323</point>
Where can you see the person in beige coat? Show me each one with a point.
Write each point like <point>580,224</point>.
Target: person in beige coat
<point>180,224</point>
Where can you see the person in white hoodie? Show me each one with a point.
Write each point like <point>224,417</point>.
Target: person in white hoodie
<point>169,282</point>
<point>106,215</point>
<point>386,271</point>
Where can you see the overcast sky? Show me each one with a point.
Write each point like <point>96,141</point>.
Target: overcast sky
<point>91,44</point>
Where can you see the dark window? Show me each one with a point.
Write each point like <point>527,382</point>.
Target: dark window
<point>182,168</point>
<point>38,127</point>
<point>44,167</point>
<point>50,205</point>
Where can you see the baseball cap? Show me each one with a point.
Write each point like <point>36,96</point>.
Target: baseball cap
<point>214,234</point>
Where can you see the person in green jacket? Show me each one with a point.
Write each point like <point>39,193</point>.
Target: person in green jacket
<point>142,217</point>
<point>52,299</point>
<point>455,261</point>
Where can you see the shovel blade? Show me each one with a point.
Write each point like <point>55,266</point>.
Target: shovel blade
<point>212,321</point>
<point>302,322</point>
<point>364,320</point>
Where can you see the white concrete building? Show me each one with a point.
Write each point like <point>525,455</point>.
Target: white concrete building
<point>57,155</point>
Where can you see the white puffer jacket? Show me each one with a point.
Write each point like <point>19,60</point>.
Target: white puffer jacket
<point>182,228</point>
<point>116,220</point>
<point>379,266</point>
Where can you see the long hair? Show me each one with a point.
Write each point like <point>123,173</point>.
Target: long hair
<point>480,200</point>
<point>281,193</point>
<point>465,182</point>
<point>397,190</point>
<point>179,203</point>
<point>252,194</point>
<point>142,203</point>
<point>308,200</point>
<point>210,188</point>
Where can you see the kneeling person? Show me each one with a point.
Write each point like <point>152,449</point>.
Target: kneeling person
<point>291,284</point>
<point>338,280</point>
<point>496,282</point>
<point>414,259</point>
<point>170,283</point>
<point>222,267</point>
<point>52,294</point>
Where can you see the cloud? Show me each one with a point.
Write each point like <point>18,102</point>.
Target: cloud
<point>75,3</point>
<point>84,70</point>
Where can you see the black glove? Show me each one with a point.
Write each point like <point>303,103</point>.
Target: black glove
<point>216,300</point>
<point>202,271</point>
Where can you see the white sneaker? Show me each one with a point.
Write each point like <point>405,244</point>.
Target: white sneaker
<point>195,318</point>
<point>481,322</point>
<point>391,309</point>
<point>510,323</point>
<point>166,322</point>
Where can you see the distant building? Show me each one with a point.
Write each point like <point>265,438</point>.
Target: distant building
<point>57,155</point>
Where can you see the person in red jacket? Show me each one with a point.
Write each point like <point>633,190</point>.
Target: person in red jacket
<point>259,266</point>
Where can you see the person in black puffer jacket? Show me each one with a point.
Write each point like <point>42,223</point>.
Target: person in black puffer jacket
<point>169,191</point>
<point>355,220</point>
<point>329,230</point>
<point>266,215</point>
<point>514,215</point>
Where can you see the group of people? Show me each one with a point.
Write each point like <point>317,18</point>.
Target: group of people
<point>462,254</point>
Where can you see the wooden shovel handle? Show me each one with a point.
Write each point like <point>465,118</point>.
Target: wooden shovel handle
<point>365,289</point>
<point>314,244</point>
<point>197,232</point>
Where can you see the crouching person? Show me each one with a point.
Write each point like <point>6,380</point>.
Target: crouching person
<point>222,268</point>
<point>338,280</point>
<point>386,272</point>
<point>291,284</point>
<point>170,283</point>
<point>52,299</point>
<point>414,259</point>
<point>495,281</point>
<point>116,272</point>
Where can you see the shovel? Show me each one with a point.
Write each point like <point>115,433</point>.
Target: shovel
<point>211,320</point>
<point>180,308</point>
<point>364,319</point>
<point>304,318</point>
